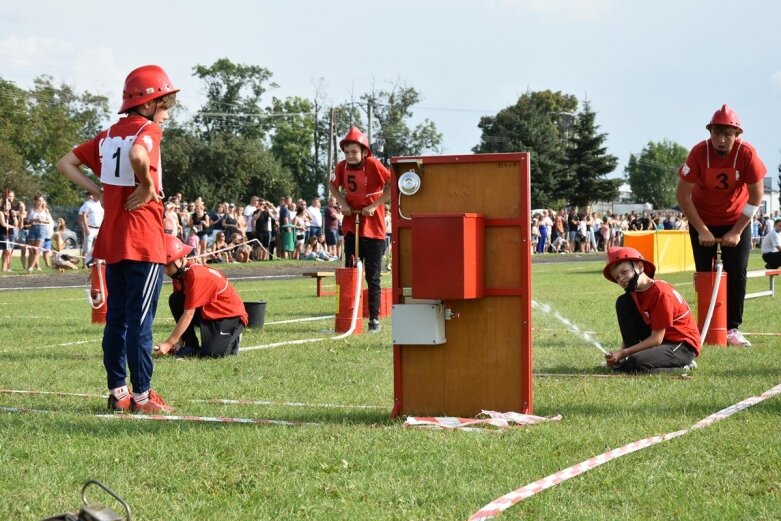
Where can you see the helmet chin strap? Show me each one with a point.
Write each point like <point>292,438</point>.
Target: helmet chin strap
<point>633,283</point>
<point>180,270</point>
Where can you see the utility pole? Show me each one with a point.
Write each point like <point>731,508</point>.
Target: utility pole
<point>331,149</point>
<point>369,125</point>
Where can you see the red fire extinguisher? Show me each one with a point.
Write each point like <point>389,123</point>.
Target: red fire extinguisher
<point>711,288</point>
<point>346,281</point>
<point>98,295</point>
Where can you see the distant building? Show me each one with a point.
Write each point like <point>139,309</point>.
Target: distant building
<point>770,203</point>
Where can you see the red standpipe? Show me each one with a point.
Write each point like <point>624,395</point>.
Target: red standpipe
<point>345,298</point>
<point>98,292</point>
<point>703,285</point>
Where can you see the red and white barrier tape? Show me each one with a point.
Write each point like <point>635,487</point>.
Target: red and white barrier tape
<point>501,420</point>
<point>157,417</point>
<point>289,404</point>
<point>219,401</point>
<point>207,419</point>
<point>52,393</point>
<point>496,507</point>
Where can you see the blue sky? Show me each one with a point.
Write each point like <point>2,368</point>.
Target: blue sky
<point>652,70</point>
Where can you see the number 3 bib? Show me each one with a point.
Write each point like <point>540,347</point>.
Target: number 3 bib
<point>722,179</point>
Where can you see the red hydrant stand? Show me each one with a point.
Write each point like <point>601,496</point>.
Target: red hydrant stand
<point>98,292</point>
<point>345,298</point>
<point>703,285</point>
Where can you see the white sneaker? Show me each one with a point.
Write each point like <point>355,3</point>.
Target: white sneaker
<point>736,338</point>
<point>691,366</point>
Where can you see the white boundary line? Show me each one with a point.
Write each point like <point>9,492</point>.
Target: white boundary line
<point>219,401</point>
<point>81,286</point>
<point>290,404</point>
<point>77,342</point>
<point>207,419</point>
<point>309,319</point>
<point>497,506</point>
<point>200,419</point>
<point>35,317</point>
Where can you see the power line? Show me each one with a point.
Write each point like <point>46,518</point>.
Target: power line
<point>254,114</point>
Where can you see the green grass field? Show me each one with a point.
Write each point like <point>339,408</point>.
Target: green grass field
<point>360,464</point>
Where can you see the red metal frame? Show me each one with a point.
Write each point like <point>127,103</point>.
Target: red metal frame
<point>522,221</point>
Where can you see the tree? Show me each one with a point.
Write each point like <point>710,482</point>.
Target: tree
<point>588,163</point>
<point>233,97</point>
<point>652,174</point>
<point>293,141</point>
<point>391,108</point>
<point>12,173</point>
<point>40,126</point>
<point>532,125</point>
<point>221,155</point>
<point>228,168</point>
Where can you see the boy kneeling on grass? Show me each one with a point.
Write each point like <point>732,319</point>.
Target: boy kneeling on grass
<point>658,330</point>
<point>202,297</point>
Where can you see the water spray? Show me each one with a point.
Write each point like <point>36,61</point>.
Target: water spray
<point>571,326</point>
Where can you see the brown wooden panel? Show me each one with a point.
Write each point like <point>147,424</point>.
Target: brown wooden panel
<point>478,368</point>
<point>486,360</point>
<point>503,249</point>
<point>491,189</point>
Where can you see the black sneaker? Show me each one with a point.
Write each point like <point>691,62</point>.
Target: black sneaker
<point>374,326</point>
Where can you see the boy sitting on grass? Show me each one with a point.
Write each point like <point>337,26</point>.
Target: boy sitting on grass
<point>658,330</point>
<point>202,297</point>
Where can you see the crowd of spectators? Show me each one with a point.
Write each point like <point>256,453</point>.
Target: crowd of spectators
<point>39,237</point>
<point>573,231</point>
<point>262,230</point>
<point>257,231</point>
<point>226,233</point>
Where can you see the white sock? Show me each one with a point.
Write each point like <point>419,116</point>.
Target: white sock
<point>119,392</point>
<point>141,397</point>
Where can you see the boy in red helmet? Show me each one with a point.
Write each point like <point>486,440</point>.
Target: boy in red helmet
<point>126,158</point>
<point>202,297</point>
<point>658,330</point>
<point>366,190</point>
<point>720,188</point>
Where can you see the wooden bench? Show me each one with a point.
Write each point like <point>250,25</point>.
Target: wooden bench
<point>771,274</point>
<point>320,275</point>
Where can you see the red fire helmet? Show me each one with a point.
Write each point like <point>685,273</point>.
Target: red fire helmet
<point>354,135</point>
<point>145,84</point>
<point>175,249</point>
<point>618,254</point>
<point>725,116</point>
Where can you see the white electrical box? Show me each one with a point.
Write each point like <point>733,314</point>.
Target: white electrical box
<point>419,324</point>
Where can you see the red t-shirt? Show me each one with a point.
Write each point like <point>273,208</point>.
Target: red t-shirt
<point>720,191</point>
<point>136,235</point>
<point>362,187</point>
<point>208,289</point>
<point>662,307</point>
